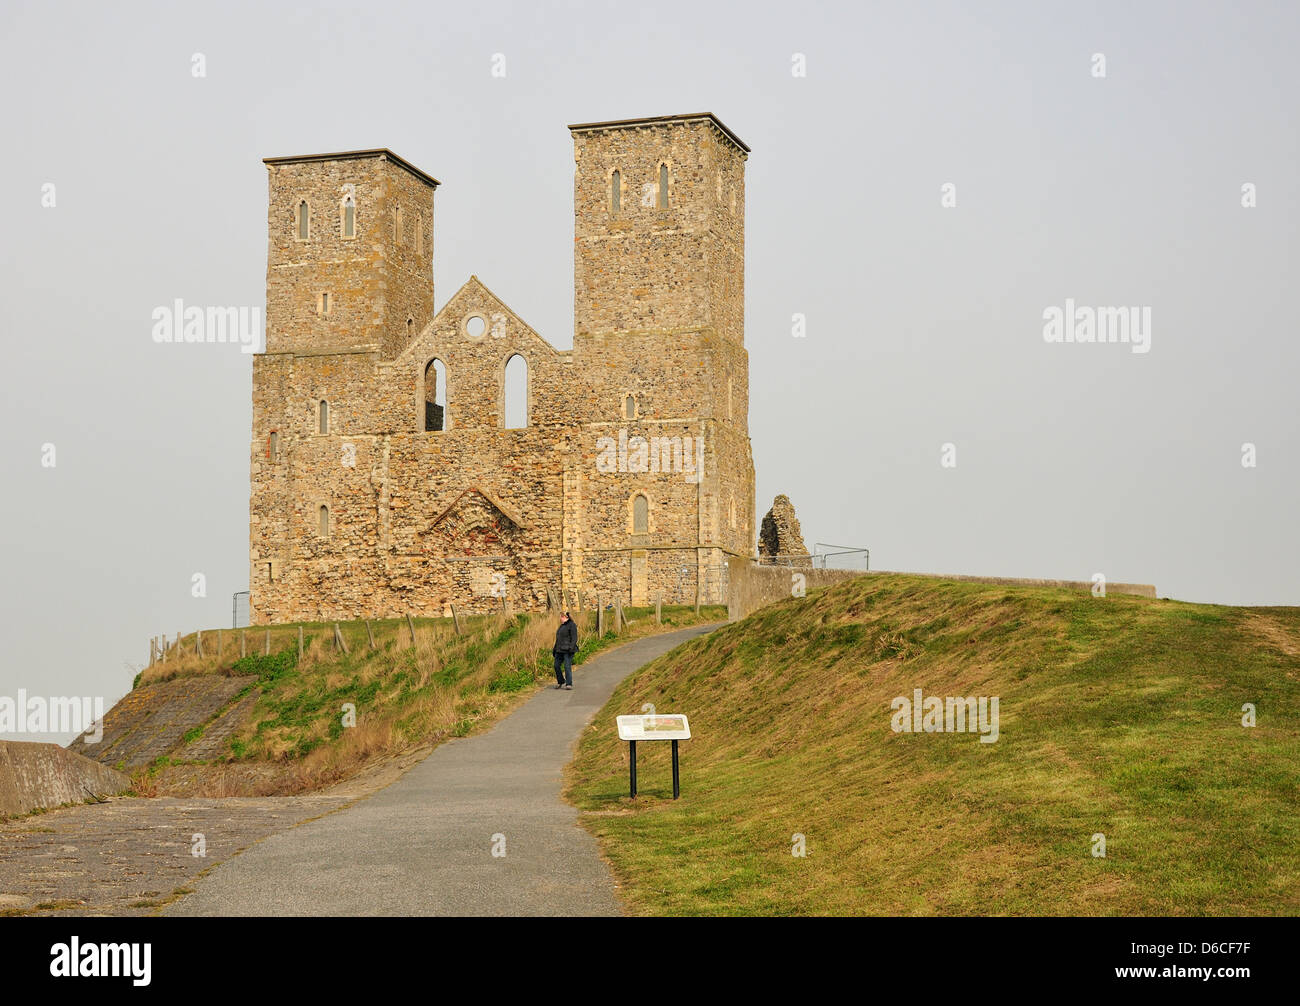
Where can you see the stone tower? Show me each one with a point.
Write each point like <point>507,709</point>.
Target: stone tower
<point>350,255</point>
<point>659,253</point>
<point>659,227</point>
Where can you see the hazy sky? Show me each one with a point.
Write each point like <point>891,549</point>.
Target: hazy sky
<point>925,323</point>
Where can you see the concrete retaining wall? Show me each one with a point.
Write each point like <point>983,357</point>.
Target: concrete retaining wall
<point>751,586</point>
<point>46,775</point>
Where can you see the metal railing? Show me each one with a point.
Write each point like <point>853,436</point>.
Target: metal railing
<point>840,557</point>
<point>239,615</point>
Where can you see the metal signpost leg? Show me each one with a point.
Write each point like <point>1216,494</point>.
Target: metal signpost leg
<point>631,746</point>
<point>677,790</point>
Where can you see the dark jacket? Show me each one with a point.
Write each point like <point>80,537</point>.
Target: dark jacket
<point>566,638</point>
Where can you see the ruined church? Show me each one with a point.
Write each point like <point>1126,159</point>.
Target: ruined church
<point>389,475</point>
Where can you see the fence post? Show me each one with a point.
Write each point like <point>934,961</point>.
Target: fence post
<point>619,621</point>
<point>659,611</point>
<point>198,643</point>
<point>370,634</point>
<point>243,644</point>
<point>410,624</point>
<point>300,644</point>
<point>600,617</point>
<point>219,644</point>
<point>268,642</point>
<point>339,640</point>
<point>455,619</point>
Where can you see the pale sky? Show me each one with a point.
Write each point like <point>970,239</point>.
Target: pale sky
<point>924,322</point>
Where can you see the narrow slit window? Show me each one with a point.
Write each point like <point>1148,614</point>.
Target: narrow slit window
<point>629,407</point>
<point>323,416</point>
<point>323,521</point>
<point>324,303</point>
<point>419,234</point>
<point>615,192</point>
<point>349,217</point>
<point>397,225</point>
<point>274,448</point>
<point>304,220</point>
<point>663,186</point>
<point>435,396</point>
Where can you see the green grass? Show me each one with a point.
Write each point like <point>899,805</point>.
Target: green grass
<point>403,696</point>
<point>1120,716</point>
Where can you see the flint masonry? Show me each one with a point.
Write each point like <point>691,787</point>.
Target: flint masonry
<point>385,479</point>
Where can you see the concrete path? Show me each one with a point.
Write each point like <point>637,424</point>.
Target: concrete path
<point>423,846</point>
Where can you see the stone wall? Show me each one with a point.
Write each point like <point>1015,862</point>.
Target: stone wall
<point>151,721</point>
<point>753,586</point>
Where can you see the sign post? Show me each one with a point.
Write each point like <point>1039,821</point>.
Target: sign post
<point>672,727</point>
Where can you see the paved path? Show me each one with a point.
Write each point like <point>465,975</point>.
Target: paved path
<point>423,846</point>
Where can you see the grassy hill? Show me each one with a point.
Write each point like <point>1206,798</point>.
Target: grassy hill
<point>1118,715</point>
<point>278,726</point>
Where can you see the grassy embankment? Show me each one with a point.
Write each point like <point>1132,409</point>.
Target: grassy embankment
<point>1118,716</point>
<point>406,697</point>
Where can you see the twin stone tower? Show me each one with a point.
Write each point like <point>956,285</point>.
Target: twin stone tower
<point>386,478</point>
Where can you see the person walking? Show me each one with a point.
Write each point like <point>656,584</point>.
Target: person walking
<point>566,645</point>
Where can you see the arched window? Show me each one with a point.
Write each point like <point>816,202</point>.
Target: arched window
<point>663,186</point>
<point>419,234</point>
<point>515,409</point>
<point>435,396</point>
<point>349,217</point>
<point>629,407</point>
<point>323,417</point>
<point>304,220</point>
<point>615,192</point>
<point>640,514</point>
<point>323,521</point>
<point>397,225</point>
<point>274,447</point>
